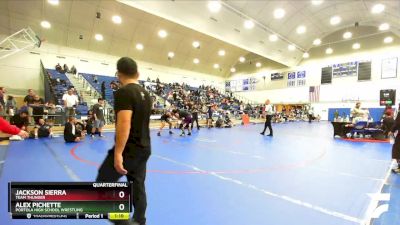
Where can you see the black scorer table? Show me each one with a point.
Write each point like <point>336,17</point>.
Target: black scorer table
<point>70,200</point>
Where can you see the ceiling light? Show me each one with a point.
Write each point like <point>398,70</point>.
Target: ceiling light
<point>214,6</point>
<point>171,55</point>
<point>306,55</point>
<point>317,42</point>
<point>162,33</point>
<point>356,46</point>
<point>384,26</point>
<point>301,29</point>
<point>233,70</point>
<point>221,52</point>
<point>347,35</point>
<point>248,24</point>
<point>291,47</point>
<point>388,40</point>
<point>258,64</point>
<point>216,66</point>
<point>378,8</point>
<point>329,51</point>
<point>317,2</point>
<point>116,19</point>
<point>98,37</point>
<point>279,13</point>
<point>242,59</point>
<point>335,20</point>
<point>196,61</point>
<point>196,44</point>
<point>139,46</point>
<point>273,37</point>
<point>45,24</point>
<point>53,2</point>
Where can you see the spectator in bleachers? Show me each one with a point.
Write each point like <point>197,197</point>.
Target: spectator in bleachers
<point>103,90</point>
<point>11,105</point>
<point>95,79</point>
<point>41,130</point>
<point>98,114</point>
<point>66,69</point>
<point>21,120</point>
<point>71,134</point>
<point>2,93</point>
<point>58,68</point>
<point>51,110</point>
<point>89,123</point>
<point>37,108</point>
<point>70,102</point>
<point>29,98</point>
<point>73,70</point>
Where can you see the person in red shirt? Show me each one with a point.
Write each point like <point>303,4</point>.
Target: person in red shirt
<point>5,127</point>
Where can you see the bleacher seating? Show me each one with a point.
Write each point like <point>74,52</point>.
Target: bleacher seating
<point>100,78</point>
<point>60,84</point>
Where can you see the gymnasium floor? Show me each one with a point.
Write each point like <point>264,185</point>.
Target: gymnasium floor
<point>232,176</point>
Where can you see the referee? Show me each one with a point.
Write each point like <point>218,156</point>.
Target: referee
<point>269,112</point>
<point>132,138</point>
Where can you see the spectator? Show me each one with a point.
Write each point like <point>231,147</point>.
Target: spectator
<point>95,80</point>
<point>2,92</point>
<point>3,112</point>
<point>21,120</point>
<point>42,130</point>
<point>37,108</point>
<point>13,130</point>
<point>89,123</point>
<point>66,70</point>
<point>11,105</point>
<point>29,98</point>
<point>70,101</point>
<point>51,110</point>
<point>58,68</point>
<point>70,132</point>
<point>103,90</point>
<point>387,122</point>
<point>73,70</point>
<point>98,114</point>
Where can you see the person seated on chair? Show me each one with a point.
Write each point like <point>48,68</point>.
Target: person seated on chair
<point>71,134</point>
<point>358,114</point>
<point>41,130</point>
<point>228,121</point>
<point>387,123</point>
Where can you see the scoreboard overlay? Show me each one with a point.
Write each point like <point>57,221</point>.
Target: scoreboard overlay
<point>70,200</point>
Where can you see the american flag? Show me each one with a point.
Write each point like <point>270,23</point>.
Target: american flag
<point>314,93</point>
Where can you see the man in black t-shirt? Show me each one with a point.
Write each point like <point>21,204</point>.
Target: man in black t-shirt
<point>98,114</point>
<point>20,120</point>
<point>132,137</point>
<point>37,108</point>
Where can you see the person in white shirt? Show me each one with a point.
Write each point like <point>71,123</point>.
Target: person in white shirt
<point>358,114</point>
<point>269,113</point>
<point>70,101</point>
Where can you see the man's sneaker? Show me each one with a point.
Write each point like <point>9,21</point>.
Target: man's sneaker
<point>189,133</point>
<point>262,133</point>
<point>170,132</point>
<point>270,135</point>
<point>158,134</point>
<point>100,135</point>
<point>183,135</point>
<point>92,136</point>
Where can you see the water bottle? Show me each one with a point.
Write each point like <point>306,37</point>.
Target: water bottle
<point>391,139</point>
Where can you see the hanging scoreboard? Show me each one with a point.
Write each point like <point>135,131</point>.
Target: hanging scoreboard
<point>62,200</point>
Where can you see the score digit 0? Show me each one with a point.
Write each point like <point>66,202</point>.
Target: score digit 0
<point>121,207</point>
<point>121,194</point>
